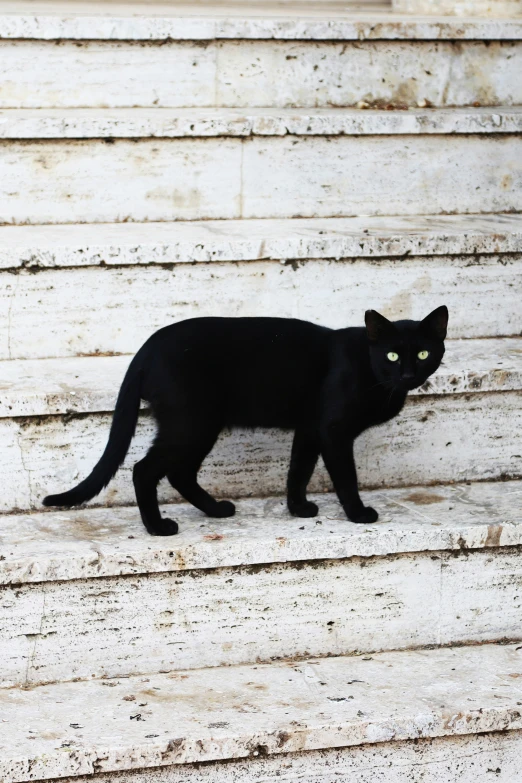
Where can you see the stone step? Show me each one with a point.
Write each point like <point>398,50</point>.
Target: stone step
<point>200,20</point>
<point>59,54</point>
<point>463,759</point>
<point>55,419</point>
<point>161,123</point>
<point>124,244</point>
<point>89,593</point>
<point>323,718</point>
<point>144,276</point>
<point>346,171</point>
<point>89,384</point>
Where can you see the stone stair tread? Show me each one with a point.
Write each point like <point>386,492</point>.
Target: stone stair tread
<point>69,245</point>
<point>205,21</point>
<point>71,729</point>
<point>88,384</point>
<point>100,542</point>
<point>203,122</point>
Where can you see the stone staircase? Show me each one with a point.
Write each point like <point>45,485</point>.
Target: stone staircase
<point>163,161</point>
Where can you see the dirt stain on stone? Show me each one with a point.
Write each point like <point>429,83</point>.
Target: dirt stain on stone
<point>424,498</point>
<point>493,536</point>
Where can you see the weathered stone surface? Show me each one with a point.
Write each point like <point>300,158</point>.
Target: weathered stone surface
<point>88,384</point>
<point>189,620</point>
<point>106,627</point>
<point>125,244</point>
<point>204,21</point>
<point>54,181</point>
<point>495,8</point>
<point>194,181</point>
<point>86,727</point>
<point>258,73</point>
<point>332,176</point>
<point>103,542</point>
<point>178,123</point>
<point>135,301</point>
<point>422,446</point>
<point>377,73</point>
<point>87,592</point>
<point>465,759</point>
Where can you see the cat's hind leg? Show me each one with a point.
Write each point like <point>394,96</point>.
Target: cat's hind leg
<point>147,473</point>
<point>185,481</point>
<point>305,453</point>
<point>184,463</point>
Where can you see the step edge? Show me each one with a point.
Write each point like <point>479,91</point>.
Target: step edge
<point>269,239</point>
<point>147,124</point>
<point>353,27</point>
<point>264,539</point>
<point>278,736</point>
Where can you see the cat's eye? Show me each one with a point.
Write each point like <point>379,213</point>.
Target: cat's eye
<point>392,356</point>
<point>423,354</point>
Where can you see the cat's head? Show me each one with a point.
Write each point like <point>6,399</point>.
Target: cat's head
<point>404,354</point>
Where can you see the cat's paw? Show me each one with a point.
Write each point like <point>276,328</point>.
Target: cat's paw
<point>304,510</point>
<point>368,516</point>
<point>223,509</point>
<point>167,527</point>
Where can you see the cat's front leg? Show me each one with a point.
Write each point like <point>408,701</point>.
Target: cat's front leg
<point>305,453</point>
<point>337,452</point>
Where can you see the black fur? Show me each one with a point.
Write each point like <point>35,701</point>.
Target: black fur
<point>204,374</point>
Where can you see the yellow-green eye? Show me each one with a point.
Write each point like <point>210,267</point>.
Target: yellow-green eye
<point>392,356</point>
<point>423,354</point>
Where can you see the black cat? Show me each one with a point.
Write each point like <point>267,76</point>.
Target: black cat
<point>205,374</point>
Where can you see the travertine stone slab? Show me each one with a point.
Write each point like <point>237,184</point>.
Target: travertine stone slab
<point>465,8</point>
<point>126,244</point>
<point>60,73</point>
<point>378,73</point>
<point>258,73</point>
<point>88,384</point>
<point>86,727</point>
<point>423,174</point>
<point>103,542</point>
<point>92,179</point>
<point>423,445</point>
<point>466,759</point>
<point>178,123</point>
<point>70,181</point>
<point>135,625</point>
<point>84,544</point>
<point>188,620</point>
<point>200,21</point>
<point>115,309</point>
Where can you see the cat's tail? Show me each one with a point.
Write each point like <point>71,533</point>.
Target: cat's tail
<point>122,431</point>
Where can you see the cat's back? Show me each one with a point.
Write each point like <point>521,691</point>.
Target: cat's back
<point>265,370</point>
<point>243,338</point>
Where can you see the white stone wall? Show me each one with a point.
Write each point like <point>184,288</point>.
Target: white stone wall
<point>37,320</point>
<point>258,73</point>
<point>260,177</point>
<point>193,619</point>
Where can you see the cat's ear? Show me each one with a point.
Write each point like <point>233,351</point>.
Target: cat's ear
<point>377,326</point>
<point>436,323</point>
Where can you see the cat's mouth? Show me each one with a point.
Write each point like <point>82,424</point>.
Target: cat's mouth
<point>408,384</point>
